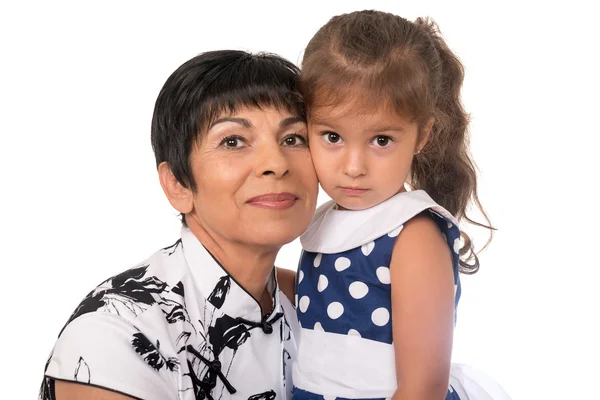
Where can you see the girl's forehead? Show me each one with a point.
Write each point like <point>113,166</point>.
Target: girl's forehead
<point>356,112</point>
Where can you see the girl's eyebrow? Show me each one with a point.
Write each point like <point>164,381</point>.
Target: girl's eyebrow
<point>318,122</point>
<point>375,130</point>
<point>321,123</point>
<point>389,128</point>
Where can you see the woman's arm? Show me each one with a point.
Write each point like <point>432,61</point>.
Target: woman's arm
<point>101,355</point>
<point>422,311</point>
<point>287,282</point>
<point>77,391</point>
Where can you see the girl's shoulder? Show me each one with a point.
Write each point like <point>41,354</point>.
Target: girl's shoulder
<point>334,231</point>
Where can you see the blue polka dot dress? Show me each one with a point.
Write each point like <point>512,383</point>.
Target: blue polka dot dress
<point>344,298</point>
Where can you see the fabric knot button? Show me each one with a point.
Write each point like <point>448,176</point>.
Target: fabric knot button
<point>267,327</point>
<point>215,366</point>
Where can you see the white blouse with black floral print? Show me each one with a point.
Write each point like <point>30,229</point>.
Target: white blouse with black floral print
<point>177,326</point>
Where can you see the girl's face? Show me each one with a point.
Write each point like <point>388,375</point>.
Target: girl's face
<point>362,159</point>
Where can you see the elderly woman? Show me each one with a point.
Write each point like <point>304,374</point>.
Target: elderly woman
<point>205,318</point>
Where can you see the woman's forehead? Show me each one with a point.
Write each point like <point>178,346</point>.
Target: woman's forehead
<point>254,111</point>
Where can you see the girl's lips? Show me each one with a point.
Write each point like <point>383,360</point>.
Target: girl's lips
<point>352,190</point>
<point>273,201</point>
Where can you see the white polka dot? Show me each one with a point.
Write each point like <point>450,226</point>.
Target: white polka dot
<point>381,316</point>
<point>300,276</point>
<point>317,260</point>
<point>367,248</point>
<point>335,310</point>
<point>396,231</point>
<point>456,245</point>
<point>445,237</point>
<point>383,274</point>
<point>322,284</point>
<point>353,332</point>
<point>450,225</point>
<point>342,263</point>
<point>304,302</point>
<point>296,300</point>
<point>358,290</point>
<point>319,327</point>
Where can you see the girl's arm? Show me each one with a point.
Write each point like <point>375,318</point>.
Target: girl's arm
<point>422,311</point>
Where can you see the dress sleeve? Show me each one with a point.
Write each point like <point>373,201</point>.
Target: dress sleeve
<point>107,351</point>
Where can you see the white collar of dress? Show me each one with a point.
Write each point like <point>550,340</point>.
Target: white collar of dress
<point>222,290</point>
<point>333,231</point>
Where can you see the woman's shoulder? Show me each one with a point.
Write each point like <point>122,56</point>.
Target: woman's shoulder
<point>131,292</point>
<point>117,329</point>
<point>111,352</point>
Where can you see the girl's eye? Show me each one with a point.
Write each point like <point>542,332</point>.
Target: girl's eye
<point>331,137</point>
<point>232,142</point>
<point>294,140</point>
<point>382,141</point>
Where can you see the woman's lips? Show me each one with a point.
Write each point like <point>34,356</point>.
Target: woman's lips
<point>274,201</point>
<point>353,190</point>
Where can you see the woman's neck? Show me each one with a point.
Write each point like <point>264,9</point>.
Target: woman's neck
<point>250,266</point>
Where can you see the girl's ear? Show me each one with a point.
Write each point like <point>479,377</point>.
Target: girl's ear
<point>180,197</point>
<point>424,135</point>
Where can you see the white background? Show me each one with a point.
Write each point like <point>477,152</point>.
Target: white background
<point>81,200</point>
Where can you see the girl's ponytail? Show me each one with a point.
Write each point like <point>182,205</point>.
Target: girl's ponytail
<point>444,168</point>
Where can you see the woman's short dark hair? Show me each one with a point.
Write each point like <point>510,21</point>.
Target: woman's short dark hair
<point>209,85</point>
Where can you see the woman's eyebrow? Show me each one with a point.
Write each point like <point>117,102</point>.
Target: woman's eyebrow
<point>241,121</point>
<point>290,121</point>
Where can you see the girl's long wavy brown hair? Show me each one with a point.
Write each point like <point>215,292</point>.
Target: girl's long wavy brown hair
<point>383,60</point>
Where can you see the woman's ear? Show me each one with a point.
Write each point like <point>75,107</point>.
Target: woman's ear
<point>180,197</point>
<point>424,135</point>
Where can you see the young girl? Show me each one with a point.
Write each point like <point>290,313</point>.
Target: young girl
<point>379,276</point>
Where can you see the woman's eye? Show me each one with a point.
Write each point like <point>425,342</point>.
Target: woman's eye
<point>232,142</point>
<point>382,141</point>
<point>294,140</point>
<point>332,137</point>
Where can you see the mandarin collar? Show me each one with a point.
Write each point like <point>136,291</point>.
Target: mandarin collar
<point>334,231</point>
<point>219,288</point>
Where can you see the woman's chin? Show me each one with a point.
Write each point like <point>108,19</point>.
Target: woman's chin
<point>274,236</point>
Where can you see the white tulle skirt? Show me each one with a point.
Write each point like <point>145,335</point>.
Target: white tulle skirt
<point>472,384</point>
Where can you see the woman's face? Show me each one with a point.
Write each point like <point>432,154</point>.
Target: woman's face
<point>256,184</point>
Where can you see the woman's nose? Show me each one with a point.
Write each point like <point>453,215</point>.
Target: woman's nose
<point>271,160</point>
<point>355,163</point>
